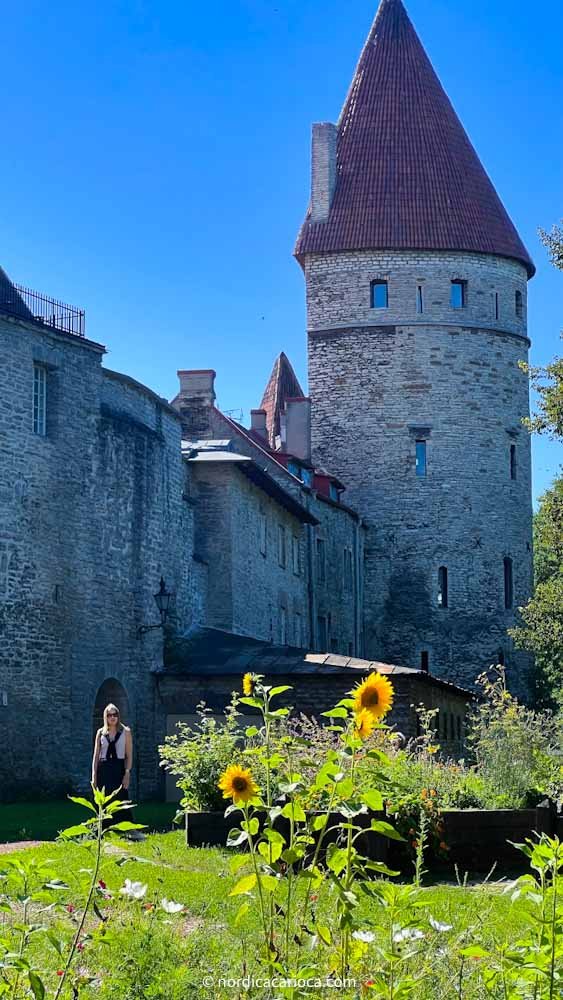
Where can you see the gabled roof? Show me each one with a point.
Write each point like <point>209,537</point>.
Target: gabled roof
<point>282,384</point>
<point>407,174</point>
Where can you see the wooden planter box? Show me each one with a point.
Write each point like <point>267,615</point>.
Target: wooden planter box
<point>477,839</point>
<point>211,829</point>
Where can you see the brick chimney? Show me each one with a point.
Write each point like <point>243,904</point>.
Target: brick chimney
<point>258,423</point>
<point>195,401</point>
<point>323,170</point>
<point>296,428</point>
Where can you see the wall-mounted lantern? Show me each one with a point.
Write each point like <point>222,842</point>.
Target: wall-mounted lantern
<point>162,599</point>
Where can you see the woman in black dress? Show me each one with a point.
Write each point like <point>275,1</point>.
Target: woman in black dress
<point>113,754</point>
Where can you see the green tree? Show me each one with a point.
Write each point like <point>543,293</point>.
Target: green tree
<point>541,630</point>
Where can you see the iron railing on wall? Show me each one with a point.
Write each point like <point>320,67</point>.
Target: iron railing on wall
<point>16,300</point>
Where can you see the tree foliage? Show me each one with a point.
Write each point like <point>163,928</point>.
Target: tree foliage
<point>541,630</point>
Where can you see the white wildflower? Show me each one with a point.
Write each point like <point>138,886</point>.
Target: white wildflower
<point>170,907</point>
<point>441,928</point>
<point>365,936</point>
<point>133,890</point>
<point>407,934</point>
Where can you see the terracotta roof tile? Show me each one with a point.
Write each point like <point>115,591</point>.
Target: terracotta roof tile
<point>407,174</point>
<point>282,384</point>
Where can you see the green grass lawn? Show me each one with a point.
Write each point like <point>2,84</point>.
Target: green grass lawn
<point>44,820</point>
<point>143,953</point>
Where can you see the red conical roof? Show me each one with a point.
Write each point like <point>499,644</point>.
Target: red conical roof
<point>283,384</point>
<point>407,174</point>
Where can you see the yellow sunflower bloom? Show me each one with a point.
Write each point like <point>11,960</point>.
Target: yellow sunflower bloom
<point>374,695</point>
<point>364,724</point>
<point>238,784</point>
<point>248,684</point>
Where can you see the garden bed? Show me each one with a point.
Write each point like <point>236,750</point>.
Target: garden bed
<point>476,839</point>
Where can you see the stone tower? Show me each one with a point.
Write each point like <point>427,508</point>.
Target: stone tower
<point>416,310</point>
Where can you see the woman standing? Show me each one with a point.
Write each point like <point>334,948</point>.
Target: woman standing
<point>113,754</point>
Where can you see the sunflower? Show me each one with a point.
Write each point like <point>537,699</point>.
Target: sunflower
<point>375,695</point>
<point>248,684</point>
<point>364,724</point>
<point>238,784</point>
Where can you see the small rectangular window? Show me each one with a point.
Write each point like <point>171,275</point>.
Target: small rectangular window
<point>442,587</point>
<point>519,304</point>
<point>333,492</point>
<point>458,294</point>
<point>424,661</point>
<point>421,458</point>
<point>283,627</point>
<point>508,583</point>
<point>321,561</point>
<point>513,461</point>
<point>307,477</point>
<point>293,467</point>
<point>496,305</point>
<point>298,631</point>
<point>379,295</point>
<point>281,545</point>
<point>295,553</point>
<point>419,299</point>
<point>263,533</point>
<point>322,635</point>
<point>348,568</point>
<point>40,400</point>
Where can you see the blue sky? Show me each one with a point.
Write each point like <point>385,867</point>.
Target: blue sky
<point>155,164</point>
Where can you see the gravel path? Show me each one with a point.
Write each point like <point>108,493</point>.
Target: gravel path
<point>19,845</point>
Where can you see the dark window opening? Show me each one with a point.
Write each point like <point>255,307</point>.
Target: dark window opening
<point>508,583</point>
<point>513,461</point>
<point>501,657</point>
<point>419,299</point>
<point>497,307</point>
<point>424,661</point>
<point>459,728</point>
<point>321,563</point>
<point>442,587</point>
<point>519,304</point>
<point>421,458</point>
<point>458,294</point>
<point>322,635</point>
<point>379,295</point>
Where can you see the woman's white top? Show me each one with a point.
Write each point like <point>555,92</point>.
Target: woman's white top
<point>119,746</point>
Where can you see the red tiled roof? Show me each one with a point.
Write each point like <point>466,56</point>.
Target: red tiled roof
<point>407,174</point>
<point>282,384</point>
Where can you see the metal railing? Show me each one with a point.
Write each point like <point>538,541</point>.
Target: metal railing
<point>16,300</point>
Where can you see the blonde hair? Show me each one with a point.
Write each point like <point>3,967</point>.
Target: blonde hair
<point>110,708</point>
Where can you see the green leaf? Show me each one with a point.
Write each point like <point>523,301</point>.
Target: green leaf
<point>125,826</point>
<point>238,862</point>
<point>291,855</point>
<point>250,732</point>
<point>241,912</point>
<point>474,951</point>
<point>83,802</point>
<point>252,826</point>
<point>373,799</point>
<point>295,809</point>
<point>320,822</point>
<point>57,945</point>
<point>269,882</point>
<point>280,689</point>
<point>270,852</point>
<point>36,985</point>
<point>338,859</point>
<point>253,702</point>
<point>245,885</point>
<point>236,838</point>
<point>385,829</point>
<point>335,713</point>
<point>75,831</point>
<point>378,866</point>
<point>324,934</point>
<point>278,713</point>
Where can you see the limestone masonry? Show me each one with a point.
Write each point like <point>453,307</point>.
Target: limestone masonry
<point>383,521</point>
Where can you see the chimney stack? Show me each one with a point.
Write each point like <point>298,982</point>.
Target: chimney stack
<point>323,170</point>
<point>258,423</point>
<point>296,428</point>
<point>195,401</point>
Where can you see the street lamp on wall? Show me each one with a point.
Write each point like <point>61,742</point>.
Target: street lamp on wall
<point>162,599</point>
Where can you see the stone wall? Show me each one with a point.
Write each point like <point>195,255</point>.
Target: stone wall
<point>91,515</point>
<point>381,379</point>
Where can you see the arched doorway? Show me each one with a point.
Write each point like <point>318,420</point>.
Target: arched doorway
<point>110,691</point>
